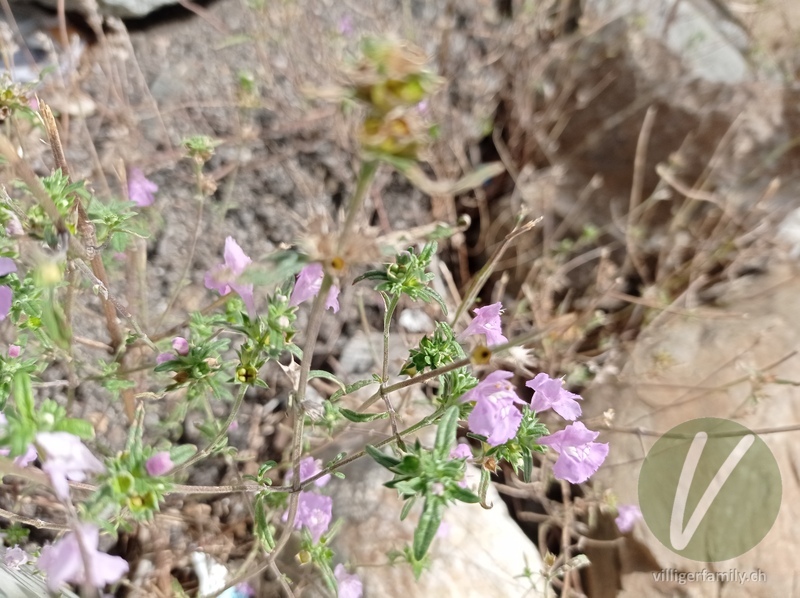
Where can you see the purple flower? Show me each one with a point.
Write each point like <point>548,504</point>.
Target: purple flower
<point>487,322</point>
<point>308,285</point>
<point>462,451</point>
<point>7,266</point>
<point>309,467</point>
<point>14,557</point>
<point>14,350</point>
<point>349,583</point>
<point>63,561</point>
<point>548,393</point>
<point>578,456</point>
<point>158,464</point>
<point>66,458</point>
<point>181,345</point>
<point>495,382</point>
<point>346,26</point>
<point>140,188</point>
<point>224,277</point>
<point>164,357</point>
<point>495,414</point>
<point>243,590</point>
<point>6,300</point>
<point>14,226</point>
<point>627,517</point>
<point>495,417</point>
<point>315,512</point>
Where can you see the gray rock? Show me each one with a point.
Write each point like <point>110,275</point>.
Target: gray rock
<point>109,8</point>
<point>724,362</point>
<point>703,33</point>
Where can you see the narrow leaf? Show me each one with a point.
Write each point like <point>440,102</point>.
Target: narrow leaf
<point>407,507</point>
<point>352,388</point>
<point>446,434</point>
<point>361,417</point>
<point>380,458</point>
<point>326,376</point>
<point>428,526</point>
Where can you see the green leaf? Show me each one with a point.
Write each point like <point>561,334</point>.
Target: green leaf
<point>428,525</point>
<point>327,376</point>
<point>446,433</point>
<point>23,395</point>
<point>527,465</point>
<point>463,494</point>
<point>77,427</point>
<point>380,458</point>
<point>352,388</point>
<point>407,507</point>
<point>263,530</point>
<point>182,453</point>
<point>362,417</point>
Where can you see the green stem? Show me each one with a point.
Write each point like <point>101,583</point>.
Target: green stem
<point>365,178</point>
<point>198,172</point>
<point>390,302</point>
<point>237,404</point>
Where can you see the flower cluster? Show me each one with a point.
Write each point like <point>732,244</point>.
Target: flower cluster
<point>496,415</point>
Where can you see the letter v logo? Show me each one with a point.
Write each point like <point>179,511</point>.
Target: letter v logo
<point>709,489</point>
<point>680,538</point>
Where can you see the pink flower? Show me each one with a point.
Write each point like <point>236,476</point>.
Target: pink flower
<point>66,458</point>
<point>6,301</point>
<point>14,350</point>
<point>346,26</point>
<point>315,512</point>
<point>462,451</point>
<point>495,415</point>
<point>349,584</point>
<point>495,382</point>
<point>548,393</point>
<point>158,464</point>
<point>243,590</point>
<point>486,322</point>
<point>140,188</point>
<point>308,285</point>
<point>309,467</point>
<point>63,561</point>
<point>627,517</point>
<point>181,345</point>
<point>14,557</point>
<point>7,266</point>
<point>224,277</point>
<point>14,227</point>
<point>578,456</point>
<point>164,357</point>
<point>24,460</point>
